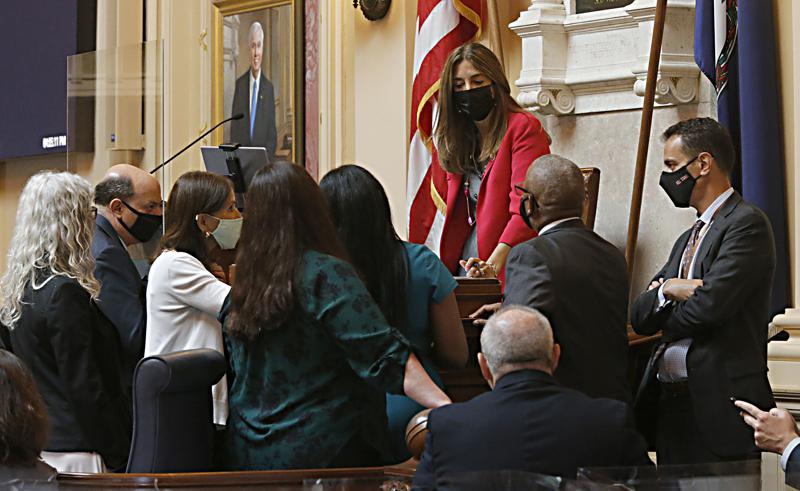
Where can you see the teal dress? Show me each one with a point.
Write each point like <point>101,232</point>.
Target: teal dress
<point>429,282</point>
<point>311,393</point>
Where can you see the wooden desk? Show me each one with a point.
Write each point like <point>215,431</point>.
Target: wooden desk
<point>465,383</point>
<point>365,478</point>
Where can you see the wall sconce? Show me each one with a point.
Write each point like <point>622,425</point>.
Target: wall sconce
<point>373,9</point>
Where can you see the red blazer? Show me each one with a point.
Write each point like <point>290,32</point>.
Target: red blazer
<point>498,218</point>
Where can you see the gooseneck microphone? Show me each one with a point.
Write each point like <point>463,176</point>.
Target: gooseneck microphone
<point>232,118</point>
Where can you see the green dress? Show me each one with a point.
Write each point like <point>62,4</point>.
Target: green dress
<point>302,392</point>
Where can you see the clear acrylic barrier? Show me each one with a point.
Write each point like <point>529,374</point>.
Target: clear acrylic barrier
<point>387,483</point>
<point>115,109</point>
<point>755,475</point>
<point>115,115</point>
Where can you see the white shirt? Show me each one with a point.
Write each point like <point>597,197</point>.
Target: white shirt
<point>257,80</point>
<point>557,222</point>
<point>183,300</point>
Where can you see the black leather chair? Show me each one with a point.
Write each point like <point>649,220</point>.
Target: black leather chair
<point>173,429</point>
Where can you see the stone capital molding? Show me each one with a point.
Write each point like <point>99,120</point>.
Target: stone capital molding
<point>597,61</point>
<point>556,99</point>
<point>787,350</point>
<point>670,90</point>
<point>783,359</point>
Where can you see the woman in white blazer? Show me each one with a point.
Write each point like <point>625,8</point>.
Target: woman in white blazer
<point>186,288</point>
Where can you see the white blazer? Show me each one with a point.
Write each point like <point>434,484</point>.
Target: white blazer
<point>183,300</point>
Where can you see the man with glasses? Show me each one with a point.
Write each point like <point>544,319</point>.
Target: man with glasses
<point>711,303</point>
<point>129,208</point>
<point>576,278</point>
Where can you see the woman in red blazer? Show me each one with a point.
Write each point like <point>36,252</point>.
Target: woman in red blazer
<point>485,142</point>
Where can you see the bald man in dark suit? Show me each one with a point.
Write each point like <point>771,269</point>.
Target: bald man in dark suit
<point>577,279</point>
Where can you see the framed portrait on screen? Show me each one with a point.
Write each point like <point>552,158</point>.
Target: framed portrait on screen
<point>258,72</point>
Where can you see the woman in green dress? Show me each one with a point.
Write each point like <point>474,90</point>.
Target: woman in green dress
<point>413,288</point>
<point>310,354</point>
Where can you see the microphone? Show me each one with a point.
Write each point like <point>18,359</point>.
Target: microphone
<point>235,117</point>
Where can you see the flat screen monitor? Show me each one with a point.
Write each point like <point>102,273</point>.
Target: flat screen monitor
<point>36,37</point>
<point>250,160</point>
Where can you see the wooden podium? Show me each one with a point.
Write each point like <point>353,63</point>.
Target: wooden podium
<point>462,384</point>
<point>465,383</point>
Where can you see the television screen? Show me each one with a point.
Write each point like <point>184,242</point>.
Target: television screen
<point>36,37</point>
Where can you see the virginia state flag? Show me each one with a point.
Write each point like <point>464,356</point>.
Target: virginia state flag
<point>734,46</point>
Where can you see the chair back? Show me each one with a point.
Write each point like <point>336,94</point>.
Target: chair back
<point>591,182</point>
<point>173,429</point>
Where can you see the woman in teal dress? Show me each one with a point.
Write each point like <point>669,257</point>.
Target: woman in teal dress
<point>310,355</point>
<point>411,285</point>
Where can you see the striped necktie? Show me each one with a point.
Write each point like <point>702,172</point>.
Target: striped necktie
<point>691,248</point>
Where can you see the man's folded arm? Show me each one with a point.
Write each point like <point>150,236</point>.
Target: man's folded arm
<point>744,257</point>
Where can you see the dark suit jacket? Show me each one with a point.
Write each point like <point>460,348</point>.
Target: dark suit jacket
<point>793,468</point>
<point>264,132</point>
<point>579,282</point>
<point>528,423</point>
<point>727,320</point>
<point>122,293</point>
<point>74,353</point>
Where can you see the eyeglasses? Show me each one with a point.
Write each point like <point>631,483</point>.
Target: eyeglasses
<point>521,191</point>
<point>526,194</point>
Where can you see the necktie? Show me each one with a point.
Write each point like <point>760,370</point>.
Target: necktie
<point>672,365</point>
<point>691,248</point>
<point>253,99</point>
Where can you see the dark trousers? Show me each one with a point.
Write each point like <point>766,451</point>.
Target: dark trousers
<point>678,440</point>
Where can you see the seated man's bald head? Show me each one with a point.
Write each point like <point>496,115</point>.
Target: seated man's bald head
<point>517,338</point>
<point>558,186</point>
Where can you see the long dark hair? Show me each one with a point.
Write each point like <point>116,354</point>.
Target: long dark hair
<point>456,135</point>
<point>193,193</point>
<point>23,417</point>
<point>363,219</point>
<point>286,216</point>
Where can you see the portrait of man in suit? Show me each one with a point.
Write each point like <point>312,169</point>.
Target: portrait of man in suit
<point>254,97</point>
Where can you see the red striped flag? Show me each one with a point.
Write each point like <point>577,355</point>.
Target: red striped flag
<point>442,25</point>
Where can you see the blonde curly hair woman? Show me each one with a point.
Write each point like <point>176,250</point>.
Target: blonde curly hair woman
<point>47,295</point>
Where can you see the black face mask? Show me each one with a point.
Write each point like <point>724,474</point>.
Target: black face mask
<point>476,103</point>
<point>678,185</point>
<point>145,225</point>
<point>524,213</point>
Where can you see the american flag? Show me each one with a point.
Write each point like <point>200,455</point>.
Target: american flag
<point>442,25</point>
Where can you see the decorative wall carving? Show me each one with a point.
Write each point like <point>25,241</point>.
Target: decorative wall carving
<point>552,100</point>
<point>597,61</point>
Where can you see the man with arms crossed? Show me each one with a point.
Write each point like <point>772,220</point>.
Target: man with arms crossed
<point>711,302</point>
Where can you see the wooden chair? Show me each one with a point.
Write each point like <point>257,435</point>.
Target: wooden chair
<point>591,182</point>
